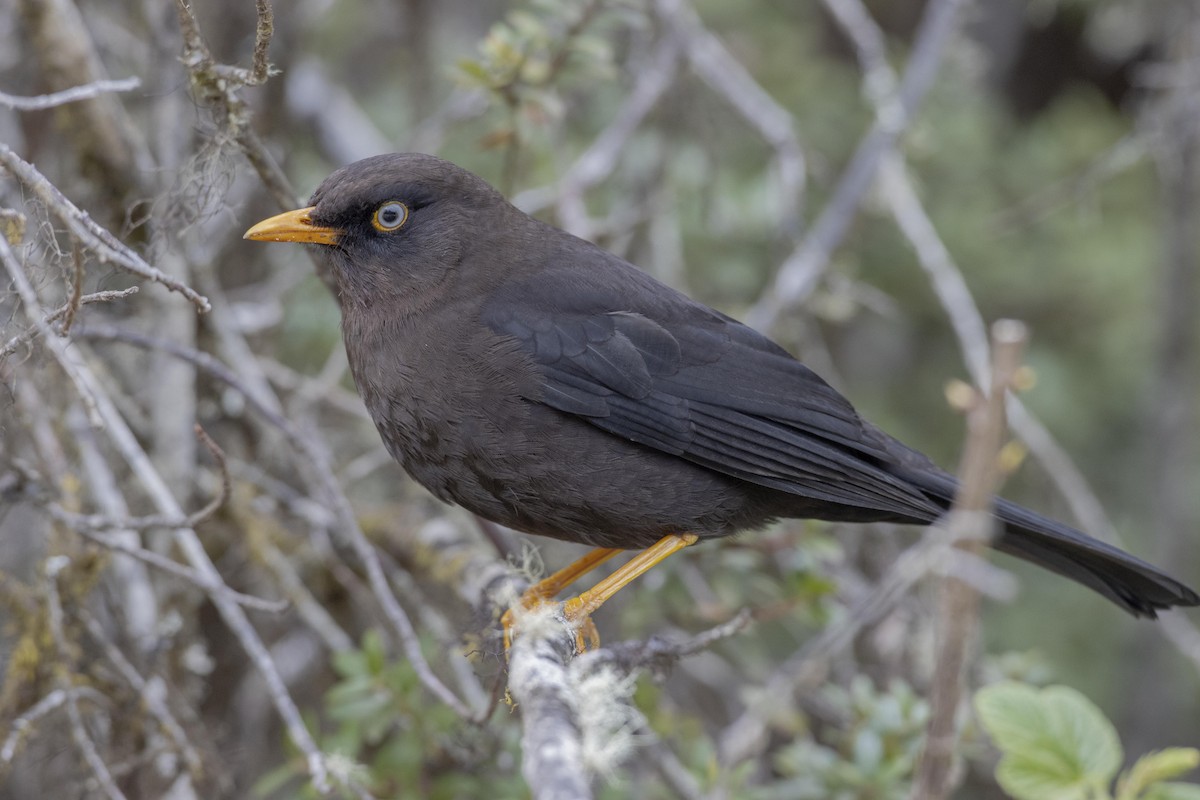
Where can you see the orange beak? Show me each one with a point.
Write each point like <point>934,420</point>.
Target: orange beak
<point>293,226</point>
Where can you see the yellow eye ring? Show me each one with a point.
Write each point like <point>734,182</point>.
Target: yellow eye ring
<point>390,216</point>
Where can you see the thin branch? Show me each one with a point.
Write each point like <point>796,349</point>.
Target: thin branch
<point>659,653</point>
<point>219,84</point>
<point>68,358</point>
<point>100,522</point>
<point>152,694</point>
<point>54,700</point>
<point>160,494</point>
<point>76,299</point>
<point>800,273</point>
<point>107,296</point>
<point>317,459</point>
<point>203,361</point>
<point>74,94</point>
<point>160,562</point>
<point>94,237</point>
<point>310,609</point>
<point>809,666</point>
<point>264,29</point>
<point>972,525</point>
<point>729,78</point>
<point>79,734</point>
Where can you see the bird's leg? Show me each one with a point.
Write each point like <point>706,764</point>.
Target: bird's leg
<point>578,610</point>
<point>548,587</point>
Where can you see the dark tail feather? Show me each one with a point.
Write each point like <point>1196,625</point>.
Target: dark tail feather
<point>1131,583</point>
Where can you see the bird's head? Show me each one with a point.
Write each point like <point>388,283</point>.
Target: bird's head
<point>392,226</point>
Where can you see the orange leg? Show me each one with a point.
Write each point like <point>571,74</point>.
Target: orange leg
<point>547,588</point>
<point>639,565</point>
<point>578,610</point>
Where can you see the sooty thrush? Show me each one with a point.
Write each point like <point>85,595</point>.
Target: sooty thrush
<point>548,385</point>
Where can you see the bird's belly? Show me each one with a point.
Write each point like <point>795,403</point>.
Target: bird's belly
<point>539,471</point>
<point>464,427</point>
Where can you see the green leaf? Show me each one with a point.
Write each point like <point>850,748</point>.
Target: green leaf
<point>1056,743</point>
<point>1029,779</point>
<point>349,663</point>
<point>1173,791</point>
<point>1154,768</point>
<point>374,651</point>
<point>276,779</point>
<point>475,71</point>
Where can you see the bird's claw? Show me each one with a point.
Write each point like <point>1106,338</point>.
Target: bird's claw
<point>573,612</point>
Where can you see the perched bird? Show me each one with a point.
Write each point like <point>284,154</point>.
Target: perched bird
<point>543,383</point>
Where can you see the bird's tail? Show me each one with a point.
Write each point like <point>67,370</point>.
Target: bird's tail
<point>1131,583</point>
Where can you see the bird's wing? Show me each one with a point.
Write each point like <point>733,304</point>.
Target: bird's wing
<point>679,377</point>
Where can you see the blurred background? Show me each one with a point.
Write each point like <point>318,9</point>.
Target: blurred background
<point>869,181</point>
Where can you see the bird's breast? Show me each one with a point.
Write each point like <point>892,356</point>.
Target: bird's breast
<point>457,405</point>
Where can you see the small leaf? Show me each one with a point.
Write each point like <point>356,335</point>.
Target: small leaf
<point>1173,791</point>
<point>475,71</point>
<point>868,750</point>
<point>1078,723</point>
<point>373,649</point>
<point>275,780</point>
<point>1154,768</point>
<point>1029,779</point>
<point>526,24</point>
<point>349,663</point>
<point>1056,743</point>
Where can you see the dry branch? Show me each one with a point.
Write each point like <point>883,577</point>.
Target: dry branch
<point>72,95</point>
<point>971,525</point>
<point>800,273</point>
<point>552,747</point>
<point>98,241</point>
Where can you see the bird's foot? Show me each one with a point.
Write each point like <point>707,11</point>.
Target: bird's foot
<point>573,612</point>
<point>578,610</point>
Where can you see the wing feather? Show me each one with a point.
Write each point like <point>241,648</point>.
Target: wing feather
<point>697,385</point>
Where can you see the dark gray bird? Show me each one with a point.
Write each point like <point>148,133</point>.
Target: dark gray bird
<point>548,385</point>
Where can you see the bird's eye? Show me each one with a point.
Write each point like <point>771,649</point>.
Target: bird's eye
<point>390,216</point>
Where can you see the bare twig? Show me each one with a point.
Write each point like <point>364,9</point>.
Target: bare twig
<point>659,653</point>
<point>725,75</point>
<point>74,94</point>
<point>68,358</point>
<point>16,342</point>
<point>802,270</point>
<point>79,733</point>
<point>597,162</point>
<point>315,458</point>
<point>152,693</point>
<point>99,522</point>
<point>95,238</point>
<point>307,606</point>
<point>219,85</point>
<point>971,523</point>
<point>82,525</point>
<point>264,29</point>
<point>809,665</point>
<point>127,445</point>
<point>54,700</point>
<point>76,299</point>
